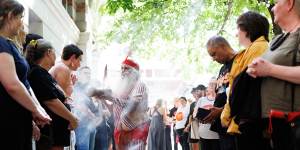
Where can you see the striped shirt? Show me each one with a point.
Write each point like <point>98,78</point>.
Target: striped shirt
<point>136,103</point>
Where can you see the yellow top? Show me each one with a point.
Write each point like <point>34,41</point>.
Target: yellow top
<point>240,62</point>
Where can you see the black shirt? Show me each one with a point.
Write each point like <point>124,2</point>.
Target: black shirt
<point>46,88</point>
<point>43,85</point>
<point>221,97</point>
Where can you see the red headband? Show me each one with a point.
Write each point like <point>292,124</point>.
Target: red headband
<point>131,63</point>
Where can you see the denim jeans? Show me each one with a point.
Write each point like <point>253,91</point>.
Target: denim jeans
<point>84,138</point>
<point>102,139</point>
<point>110,123</point>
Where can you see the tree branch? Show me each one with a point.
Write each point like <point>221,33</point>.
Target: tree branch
<point>228,13</point>
<point>276,29</point>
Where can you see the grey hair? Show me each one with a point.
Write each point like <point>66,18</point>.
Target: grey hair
<point>36,49</point>
<point>217,41</point>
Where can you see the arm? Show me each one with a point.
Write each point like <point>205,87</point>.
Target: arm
<point>263,68</point>
<point>105,96</point>
<point>15,88</point>
<point>13,85</point>
<point>139,98</point>
<point>186,129</point>
<point>108,106</point>
<point>36,101</point>
<point>164,114</point>
<point>136,108</point>
<point>196,109</point>
<point>59,108</point>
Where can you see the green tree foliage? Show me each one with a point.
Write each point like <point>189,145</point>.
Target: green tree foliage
<point>174,30</point>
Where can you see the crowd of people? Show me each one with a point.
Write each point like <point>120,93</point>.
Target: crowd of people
<point>252,104</point>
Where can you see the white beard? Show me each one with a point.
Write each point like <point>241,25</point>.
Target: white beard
<point>127,83</point>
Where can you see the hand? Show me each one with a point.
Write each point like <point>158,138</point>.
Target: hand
<point>73,78</point>
<point>186,129</point>
<point>259,68</point>
<point>106,97</point>
<point>214,113</point>
<point>105,94</point>
<point>73,123</point>
<point>36,134</point>
<point>40,117</point>
<point>70,102</point>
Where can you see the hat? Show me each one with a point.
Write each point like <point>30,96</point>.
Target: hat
<point>131,63</point>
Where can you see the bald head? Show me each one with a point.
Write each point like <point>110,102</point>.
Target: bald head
<point>219,49</point>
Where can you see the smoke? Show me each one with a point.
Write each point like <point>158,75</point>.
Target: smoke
<point>90,112</point>
<point>126,83</point>
<point>123,89</point>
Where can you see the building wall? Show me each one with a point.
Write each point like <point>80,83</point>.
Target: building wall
<point>50,19</point>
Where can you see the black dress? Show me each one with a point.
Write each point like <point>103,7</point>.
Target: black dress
<point>16,121</point>
<point>45,88</point>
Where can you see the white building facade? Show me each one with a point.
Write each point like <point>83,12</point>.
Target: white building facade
<point>61,22</point>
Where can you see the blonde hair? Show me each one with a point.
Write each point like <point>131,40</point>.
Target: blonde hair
<point>19,39</point>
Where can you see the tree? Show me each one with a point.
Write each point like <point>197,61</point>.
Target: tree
<point>175,30</point>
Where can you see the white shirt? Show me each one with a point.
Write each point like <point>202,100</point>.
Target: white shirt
<point>204,129</point>
<point>185,111</point>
